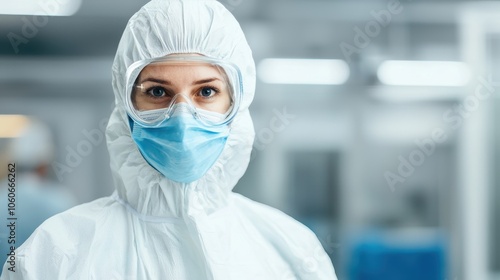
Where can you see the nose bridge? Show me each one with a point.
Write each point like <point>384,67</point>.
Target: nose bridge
<point>184,101</point>
<point>180,97</point>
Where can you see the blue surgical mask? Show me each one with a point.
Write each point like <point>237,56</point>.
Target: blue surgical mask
<point>181,147</point>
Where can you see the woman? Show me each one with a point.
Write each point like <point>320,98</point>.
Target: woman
<point>179,139</point>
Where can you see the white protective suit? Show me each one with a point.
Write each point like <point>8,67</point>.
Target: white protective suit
<point>154,228</point>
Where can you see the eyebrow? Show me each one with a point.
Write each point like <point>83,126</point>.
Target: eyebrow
<point>155,80</point>
<point>166,82</point>
<point>204,81</point>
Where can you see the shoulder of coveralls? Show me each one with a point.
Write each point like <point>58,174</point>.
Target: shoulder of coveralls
<point>294,240</point>
<point>273,218</point>
<point>60,239</point>
<point>81,220</point>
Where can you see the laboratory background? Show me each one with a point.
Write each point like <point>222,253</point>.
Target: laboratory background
<point>376,122</point>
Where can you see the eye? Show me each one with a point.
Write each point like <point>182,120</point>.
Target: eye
<point>157,92</point>
<point>208,92</point>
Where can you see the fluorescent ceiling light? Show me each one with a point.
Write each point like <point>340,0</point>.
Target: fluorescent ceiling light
<point>303,71</point>
<point>40,7</point>
<point>12,125</point>
<point>423,73</point>
<point>415,94</point>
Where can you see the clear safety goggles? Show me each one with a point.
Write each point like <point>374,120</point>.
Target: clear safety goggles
<point>211,89</point>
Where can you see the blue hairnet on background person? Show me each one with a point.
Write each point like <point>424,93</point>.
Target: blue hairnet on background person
<point>175,162</point>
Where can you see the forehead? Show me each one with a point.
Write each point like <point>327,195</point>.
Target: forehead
<point>182,71</point>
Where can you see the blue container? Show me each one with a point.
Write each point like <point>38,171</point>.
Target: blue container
<point>376,257</point>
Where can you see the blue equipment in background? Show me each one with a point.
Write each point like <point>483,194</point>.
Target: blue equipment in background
<point>389,256</point>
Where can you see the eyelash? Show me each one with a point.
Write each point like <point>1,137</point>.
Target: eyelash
<point>215,90</point>
<point>198,91</point>
<point>149,95</point>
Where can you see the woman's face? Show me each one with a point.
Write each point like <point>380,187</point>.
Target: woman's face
<point>205,84</point>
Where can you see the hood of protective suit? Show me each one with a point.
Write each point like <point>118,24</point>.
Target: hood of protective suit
<point>161,28</point>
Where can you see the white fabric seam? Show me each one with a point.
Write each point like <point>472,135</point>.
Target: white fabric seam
<point>145,218</point>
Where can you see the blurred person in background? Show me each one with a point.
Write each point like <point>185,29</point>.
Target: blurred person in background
<point>37,196</point>
<point>179,140</point>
